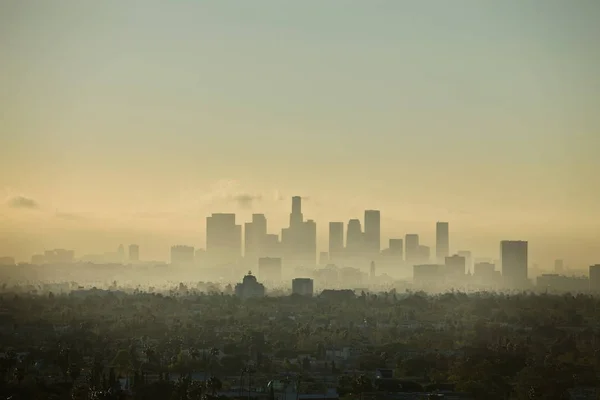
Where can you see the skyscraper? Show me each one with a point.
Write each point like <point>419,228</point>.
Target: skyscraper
<point>442,241</point>
<point>455,266</point>
<point>182,255</point>
<point>372,236</point>
<point>223,239</point>
<point>336,239</point>
<point>513,259</point>
<point>411,243</point>
<point>354,237</point>
<point>299,241</point>
<point>134,252</point>
<point>296,217</point>
<point>558,266</point>
<point>255,233</point>
<point>595,278</point>
<point>396,247</point>
<point>468,259</point>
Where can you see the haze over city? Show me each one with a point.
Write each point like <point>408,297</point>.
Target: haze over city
<point>275,200</point>
<point>132,122</point>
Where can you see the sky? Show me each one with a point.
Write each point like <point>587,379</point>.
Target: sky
<point>131,121</point>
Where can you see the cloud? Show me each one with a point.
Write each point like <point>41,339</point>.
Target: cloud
<point>22,202</point>
<point>246,200</point>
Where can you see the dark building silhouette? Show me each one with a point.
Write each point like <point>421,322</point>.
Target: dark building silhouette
<point>269,269</point>
<point>303,286</point>
<point>299,240</point>
<point>182,255</point>
<point>595,278</point>
<point>558,266</point>
<point>411,243</point>
<point>336,240</point>
<point>484,273</point>
<point>513,258</point>
<point>372,235</point>
<point>455,266</point>
<point>468,259</point>
<point>223,239</point>
<point>442,240</point>
<point>255,233</point>
<point>424,254</point>
<point>354,238</point>
<point>134,253</point>
<point>7,261</point>
<point>249,287</point>
<point>427,274</point>
<point>396,248</point>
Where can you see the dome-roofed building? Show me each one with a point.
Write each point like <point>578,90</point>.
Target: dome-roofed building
<point>249,287</point>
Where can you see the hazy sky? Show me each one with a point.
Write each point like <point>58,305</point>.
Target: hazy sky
<point>131,121</point>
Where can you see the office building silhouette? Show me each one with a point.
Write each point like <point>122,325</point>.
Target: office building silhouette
<point>255,233</point>
<point>411,244</point>
<point>134,253</point>
<point>372,235</point>
<point>354,238</point>
<point>396,248</point>
<point>182,255</point>
<point>223,239</point>
<point>513,259</point>
<point>455,266</point>
<point>336,240</point>
<point>299,240</point>
<point>442,241</point>
<point>595,278</point>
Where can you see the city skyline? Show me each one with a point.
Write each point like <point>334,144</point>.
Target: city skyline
<point>231,244</point>
<point>131,124</point>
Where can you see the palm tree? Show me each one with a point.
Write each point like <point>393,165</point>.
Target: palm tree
<point>214,384</point>
<point>213,352</point>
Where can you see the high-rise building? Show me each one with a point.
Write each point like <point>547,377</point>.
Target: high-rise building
<point>182,255</point>
<point>255,233</point>
<point>411,243</point>
<point>134,253</point>
<point>336,240</point>
<point>303,286</point>
<point>296,217</point>
<point>372,236</point>
<point>354,237</point>
<point>299,241</point>
<point>396,247</point>
<point>595,278</point>
<point>223,239</point>
<point>558,266</point>
<point>468,259</point>
<point>513,259</point>
<point>442,241</point>
<point>455,266</point>
<point>424,254</point>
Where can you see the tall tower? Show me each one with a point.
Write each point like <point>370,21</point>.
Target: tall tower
<point>255,233</point>
<point>134,252</point>
<point>223,239</point>
<point>354,237</point>
<point>513,259</point>
<point>411,241</point>
<point>372,231</point>
<point>336,239</point>
<point>442,241</point>
<point>296,217</point>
